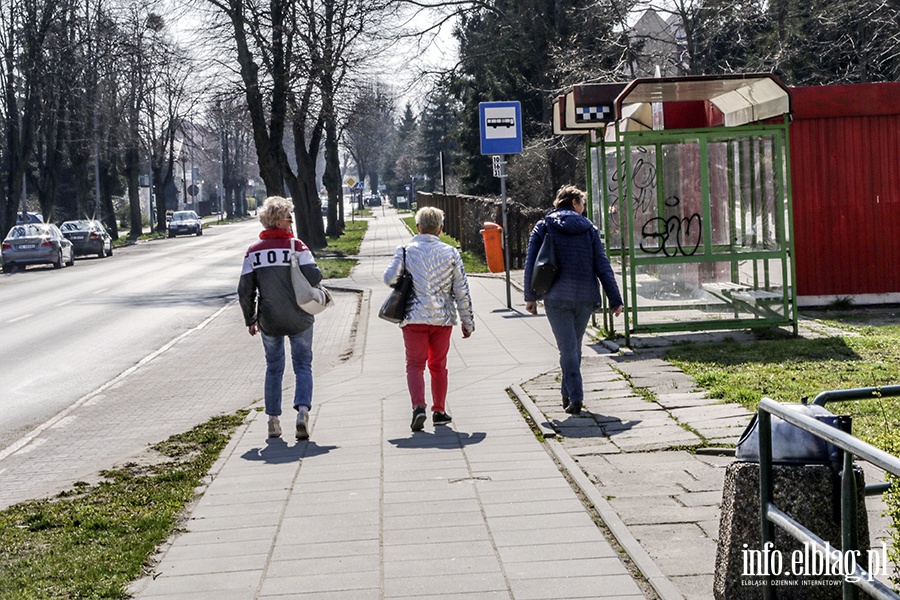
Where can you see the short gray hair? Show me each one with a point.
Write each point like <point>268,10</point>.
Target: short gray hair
<point>274,209</point>
<point>430,220</point>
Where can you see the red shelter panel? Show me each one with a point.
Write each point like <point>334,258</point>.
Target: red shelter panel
<point>845,169</point>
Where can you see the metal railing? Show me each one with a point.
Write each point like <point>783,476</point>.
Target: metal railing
<point>852,447</point>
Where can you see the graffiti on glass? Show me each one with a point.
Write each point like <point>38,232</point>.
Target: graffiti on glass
<point>672,235</point>
<point>643,185</point>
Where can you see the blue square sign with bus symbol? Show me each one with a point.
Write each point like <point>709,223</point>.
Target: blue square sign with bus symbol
<point>501,127</point>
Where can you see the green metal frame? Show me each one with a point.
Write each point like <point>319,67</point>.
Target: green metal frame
<point>851,447</point>
<point>758,160</point>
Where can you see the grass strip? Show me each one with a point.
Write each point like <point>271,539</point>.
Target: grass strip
<point>90,542</point>
<point>333,260</point>
<point>787,370</point>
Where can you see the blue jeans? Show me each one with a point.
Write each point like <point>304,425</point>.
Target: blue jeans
<point>301,357</point>
<point>568,320</point>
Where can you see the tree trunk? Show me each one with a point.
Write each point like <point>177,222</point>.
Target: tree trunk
<point>332,176</point>
<point>307,206</point>
<point>132,175</point>
<point>107,176</point>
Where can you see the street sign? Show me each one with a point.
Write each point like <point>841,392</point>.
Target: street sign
<point>501,127</point>
<point>356,185</point>
<point>350,182</point>
<point>499,166</point>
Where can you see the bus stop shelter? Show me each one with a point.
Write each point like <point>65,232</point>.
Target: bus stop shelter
<point>689,184</point>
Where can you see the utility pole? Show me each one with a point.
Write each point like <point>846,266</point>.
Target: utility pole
<point>499,162</point>
<point>98,209</point>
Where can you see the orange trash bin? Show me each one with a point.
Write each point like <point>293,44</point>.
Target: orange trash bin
<point>493,247</point>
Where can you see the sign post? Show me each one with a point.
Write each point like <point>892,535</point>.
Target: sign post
<point>501,134</point>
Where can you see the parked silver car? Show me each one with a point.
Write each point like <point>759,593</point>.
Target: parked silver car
<point>185,222</point>
<point>88,237</point>
<point>35,244</point>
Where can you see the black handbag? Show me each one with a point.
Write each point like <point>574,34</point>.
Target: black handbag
<point>543,274</point>
<point>397,303</point>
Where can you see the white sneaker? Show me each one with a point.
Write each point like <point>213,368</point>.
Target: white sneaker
<point>303,423</point>
<point>274,427</point>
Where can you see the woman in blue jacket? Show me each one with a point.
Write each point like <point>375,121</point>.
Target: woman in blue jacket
<point>575,294</point>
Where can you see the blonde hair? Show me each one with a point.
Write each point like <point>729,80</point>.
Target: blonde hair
<point>274,209</point>
<point>567,195</point>
<point>430,220</point>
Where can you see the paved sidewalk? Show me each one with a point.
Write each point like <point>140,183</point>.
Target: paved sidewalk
<point>366,509</point>
<point>660,465</point>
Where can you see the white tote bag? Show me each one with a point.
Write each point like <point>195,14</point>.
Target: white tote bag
<point>312,299</point>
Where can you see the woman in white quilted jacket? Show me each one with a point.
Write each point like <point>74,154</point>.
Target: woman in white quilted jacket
<point>440,292</point>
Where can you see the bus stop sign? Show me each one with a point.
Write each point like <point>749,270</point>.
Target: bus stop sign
<point>501,127</point>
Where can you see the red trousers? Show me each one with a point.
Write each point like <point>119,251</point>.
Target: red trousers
<point>427,344</point>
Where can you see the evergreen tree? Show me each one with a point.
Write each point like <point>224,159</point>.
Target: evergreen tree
<point>400,161</point>
<point>436,127</point>
<point>527,50</point>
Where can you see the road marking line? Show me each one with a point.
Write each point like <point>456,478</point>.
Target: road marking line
<point>100,291</point>
<point>16,446</point>
<point>20,318</point>
<point>32,446</point>
<point>64,422</point>
<point>94,399</point>
<point>64,303</point>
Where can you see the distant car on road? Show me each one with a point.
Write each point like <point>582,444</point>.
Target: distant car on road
<point>29,218</point>
<point>88,237</point>
<point>34,244</point>
<point>185,222</point>
<point>374,201</point>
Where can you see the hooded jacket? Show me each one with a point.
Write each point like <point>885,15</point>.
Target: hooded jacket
<point>440,287</point>
<point>265,290</point>
<point>580,260</point>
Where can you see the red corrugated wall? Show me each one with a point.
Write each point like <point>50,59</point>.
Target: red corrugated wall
<point>845,170</point>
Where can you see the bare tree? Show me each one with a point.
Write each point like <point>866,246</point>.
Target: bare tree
<point>167,105</point>
<point>140,28</point>
<point>24,29</point>
<point>226,118</point>
<point>367,131</point>
<point>339,36</point>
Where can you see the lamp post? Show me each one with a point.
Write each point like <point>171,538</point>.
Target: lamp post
<point>24,179</point>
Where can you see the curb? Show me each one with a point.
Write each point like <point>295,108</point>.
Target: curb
<point>643,561</point>
<point>540,420</point>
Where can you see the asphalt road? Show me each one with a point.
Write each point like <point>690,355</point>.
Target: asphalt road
<point>63,333</point>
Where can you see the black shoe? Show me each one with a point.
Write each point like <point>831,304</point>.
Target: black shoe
<point>418,420</point>
<point>565,402</point>
<point>574,408</point>
<point>441,418</point>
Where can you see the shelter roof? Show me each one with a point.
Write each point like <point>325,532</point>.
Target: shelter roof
<point>742,98</point>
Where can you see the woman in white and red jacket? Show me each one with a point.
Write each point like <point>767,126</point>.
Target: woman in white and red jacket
<point>267,300</point>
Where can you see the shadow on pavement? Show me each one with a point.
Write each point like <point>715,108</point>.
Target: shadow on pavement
<point>592,424</point>
<point>443,438</point>
<point>277,451</point>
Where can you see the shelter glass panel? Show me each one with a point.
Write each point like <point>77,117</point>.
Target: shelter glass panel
<point>703,234</point>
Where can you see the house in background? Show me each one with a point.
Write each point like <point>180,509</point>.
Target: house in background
<point>659,47</point>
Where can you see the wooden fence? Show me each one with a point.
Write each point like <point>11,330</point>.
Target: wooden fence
<point>465,216</point>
